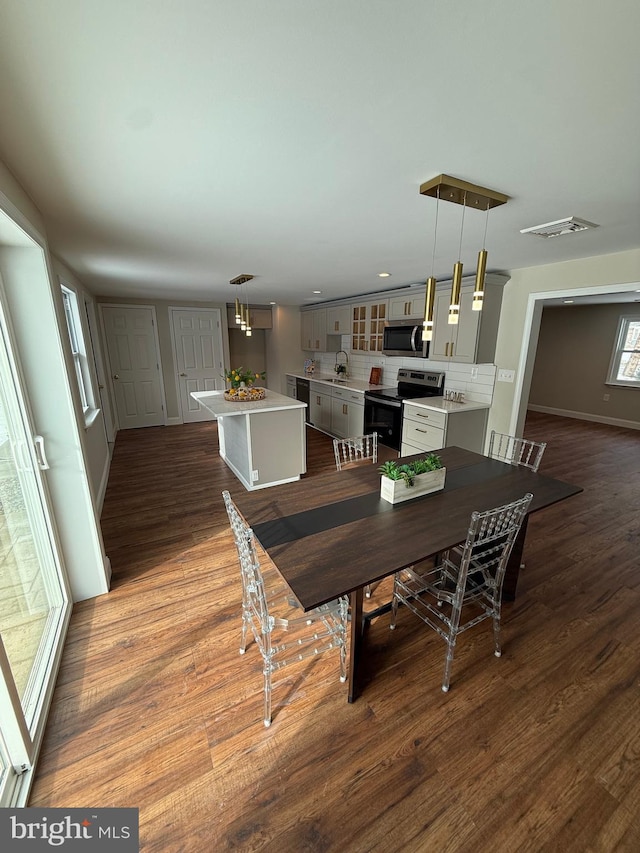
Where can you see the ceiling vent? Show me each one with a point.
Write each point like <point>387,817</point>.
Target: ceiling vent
<point>561,226</point>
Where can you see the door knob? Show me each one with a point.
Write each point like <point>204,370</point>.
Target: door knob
<point>183,374</point>
<point>115,376</point>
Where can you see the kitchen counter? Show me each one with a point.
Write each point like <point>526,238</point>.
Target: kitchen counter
<point>262,441</point>
<point>439,404</point>
<point>349,384</point>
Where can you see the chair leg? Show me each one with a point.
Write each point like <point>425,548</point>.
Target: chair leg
<point>369,588</point>
<point>267,695</point>
<point>243,639</point>
<point>394,608</point>
<point>496,633</point>
<point>451,646</point>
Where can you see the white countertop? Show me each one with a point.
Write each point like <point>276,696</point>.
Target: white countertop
<point>439,404</point>
<point>349,384</point>
<point>214,401</point>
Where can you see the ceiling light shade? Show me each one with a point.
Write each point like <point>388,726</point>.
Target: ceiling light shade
<point>427,334</point>
<point>238,315</point>
<point>478,292</point>
<point>456,284</point>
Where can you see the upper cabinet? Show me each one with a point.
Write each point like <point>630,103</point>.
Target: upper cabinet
<point>367,325</point>
<point>407,307</point>
<point>339,320</point>
<point>472,340</point>
<point>313,325</point>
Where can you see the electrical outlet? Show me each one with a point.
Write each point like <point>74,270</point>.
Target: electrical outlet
<point>254,476</point>
<point>606,398</point>
<point>506,375</point>
<point>474,373</point>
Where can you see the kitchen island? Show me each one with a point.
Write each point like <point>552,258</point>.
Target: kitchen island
<point>262,441</point>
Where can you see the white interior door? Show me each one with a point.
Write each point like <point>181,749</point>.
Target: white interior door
<point>134,360</point>
<point>197,336</point>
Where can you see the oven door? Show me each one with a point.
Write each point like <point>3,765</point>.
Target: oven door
<point>383,417</point>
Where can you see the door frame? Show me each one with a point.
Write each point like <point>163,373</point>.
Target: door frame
<point>174,352</point>
<point>103,331</point>
<point>531,330</point>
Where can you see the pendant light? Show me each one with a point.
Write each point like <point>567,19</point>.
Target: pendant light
<point>468,195</point>
<point>242,309</point>
<point>481,269</point>
<point>430,295</point>
<point>456,284</point>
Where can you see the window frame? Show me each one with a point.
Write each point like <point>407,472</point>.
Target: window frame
<point>77,341</point>
<point>622,331</point>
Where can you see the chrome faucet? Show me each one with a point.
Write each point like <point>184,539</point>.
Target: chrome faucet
<point>339,367</point>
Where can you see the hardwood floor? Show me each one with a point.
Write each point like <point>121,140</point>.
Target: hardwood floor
<point>538,750</point>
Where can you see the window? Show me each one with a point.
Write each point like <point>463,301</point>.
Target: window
<point>78,350</point>
<point>625,360</point>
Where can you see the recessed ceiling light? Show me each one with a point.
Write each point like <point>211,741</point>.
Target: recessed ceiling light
<point>567,301</point>
<point>384,274</point>
<point>317,292</point>
<point>272,303</point>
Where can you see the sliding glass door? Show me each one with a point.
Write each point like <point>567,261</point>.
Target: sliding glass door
<point>34,599</point>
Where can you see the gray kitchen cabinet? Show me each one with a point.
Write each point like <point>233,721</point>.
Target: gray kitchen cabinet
<point>407,306</point>
<point>425,429</point>
<point>291,386</point>
<point>320,406</point>
<point>339,320</point>
<point>313,327</point>
<point>367,325</point>
<point>472,340</point>
<point>259,316</point>
<point>347,412</point>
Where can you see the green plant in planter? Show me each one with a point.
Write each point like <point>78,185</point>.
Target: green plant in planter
<point>409,470</point>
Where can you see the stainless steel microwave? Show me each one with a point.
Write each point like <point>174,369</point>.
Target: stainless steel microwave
<point>404,338</point>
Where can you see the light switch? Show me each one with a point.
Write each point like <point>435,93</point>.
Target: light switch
<point>506,375</point>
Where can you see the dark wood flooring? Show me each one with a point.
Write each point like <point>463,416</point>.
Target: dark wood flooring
<point>536,751</point>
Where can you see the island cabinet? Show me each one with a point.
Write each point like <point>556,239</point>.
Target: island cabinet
<point>432,427</point>
<point>472,340</point>
<point>367,325</point>
<point>263,441</point>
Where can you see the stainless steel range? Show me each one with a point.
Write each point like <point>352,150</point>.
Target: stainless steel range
<point>383,409</point>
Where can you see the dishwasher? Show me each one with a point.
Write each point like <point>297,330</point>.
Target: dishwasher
<point>303,395</point>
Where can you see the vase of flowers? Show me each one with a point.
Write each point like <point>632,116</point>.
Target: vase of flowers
<point>241,385</point>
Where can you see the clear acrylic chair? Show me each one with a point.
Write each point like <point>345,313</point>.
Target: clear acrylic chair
<point>283,633</point>
<point>352,451</point>
<point>467,581</point>
<point>516,451</point>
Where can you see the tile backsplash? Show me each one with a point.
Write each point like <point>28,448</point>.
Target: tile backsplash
<point>476,381</point>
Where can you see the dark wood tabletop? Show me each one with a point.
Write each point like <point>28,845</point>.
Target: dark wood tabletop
<point>333,534</point>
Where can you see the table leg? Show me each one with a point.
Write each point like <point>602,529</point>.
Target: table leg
<point>355,645</point>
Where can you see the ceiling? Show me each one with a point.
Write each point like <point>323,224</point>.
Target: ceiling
<point>172,146</point>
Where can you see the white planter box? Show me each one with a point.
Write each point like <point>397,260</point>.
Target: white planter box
<point>396,491</point>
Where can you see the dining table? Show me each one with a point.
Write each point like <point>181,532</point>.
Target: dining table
<point>331,534</point>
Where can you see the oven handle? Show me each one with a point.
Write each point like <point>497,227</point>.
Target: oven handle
<point>396,404</point>
<point>414,332</point>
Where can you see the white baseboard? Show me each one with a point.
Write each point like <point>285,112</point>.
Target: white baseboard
<point>102,489</point>
<point>584,416</point>
<point>174,422</point>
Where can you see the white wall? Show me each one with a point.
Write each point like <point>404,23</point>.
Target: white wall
<point>36,314</point>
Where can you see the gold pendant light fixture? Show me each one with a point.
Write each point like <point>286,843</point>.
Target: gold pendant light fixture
<point>430,295</point>
<point>242,309</point>
<point>468,195</point>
